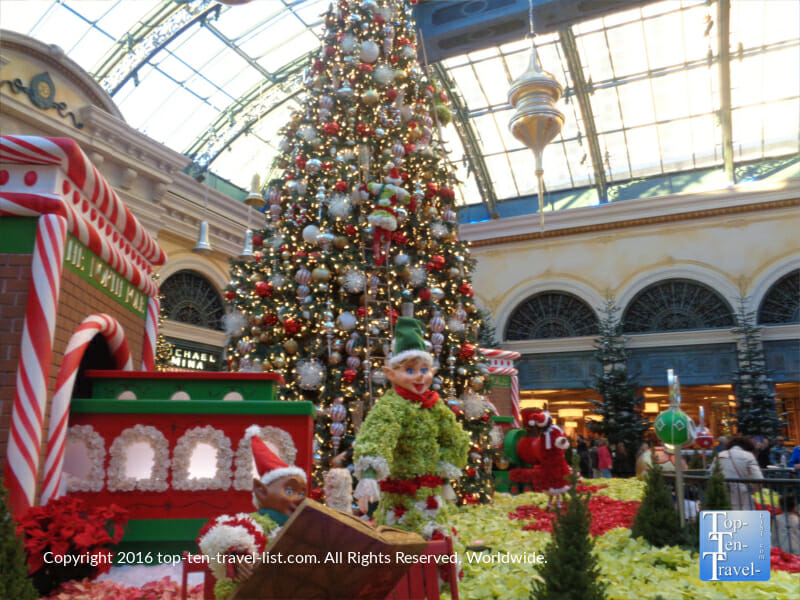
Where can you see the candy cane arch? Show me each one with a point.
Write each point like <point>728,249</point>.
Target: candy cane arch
<point>501,362</point>
<point>150,335</point>
<point>30,396</point>
<point>59,412</point>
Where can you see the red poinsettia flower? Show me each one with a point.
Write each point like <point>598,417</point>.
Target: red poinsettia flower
<point>349,376</point>
<point>399,511</point>
<point>399,238</point>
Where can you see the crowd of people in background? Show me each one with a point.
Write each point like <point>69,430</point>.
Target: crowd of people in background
<point>739,457</point>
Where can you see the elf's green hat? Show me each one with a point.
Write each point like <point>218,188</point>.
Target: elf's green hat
<point>408,342</point>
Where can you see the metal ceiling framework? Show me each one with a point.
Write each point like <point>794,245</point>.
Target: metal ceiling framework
<point>172,18</point>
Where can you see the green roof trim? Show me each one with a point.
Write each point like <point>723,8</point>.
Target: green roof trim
<point>186,407</point>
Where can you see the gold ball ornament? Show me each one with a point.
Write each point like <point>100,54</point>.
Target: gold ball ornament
<point>335,358</point>
<point>264,337</point>
<point>266,366</point>
<point>340,242</point>
<point>476,383</point>
<point>431,212</point>
<point>279,362</point>
<point>255,331</point>
<point>320,274</point>
<point>290,346</point>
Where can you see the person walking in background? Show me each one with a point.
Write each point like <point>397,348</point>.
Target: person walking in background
<point>786,527</point>
<point>604,462</point>
<point>593,457</point>
<point>622,465</point>
<point>779,455</point>
<point>738,462</point>
<point>584,458</point>
<point>722,442</point>
<point>644,459</point>
<point>762,451</point>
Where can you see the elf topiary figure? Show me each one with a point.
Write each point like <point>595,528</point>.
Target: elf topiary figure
<point>391,197</point>
<point>410,442</point>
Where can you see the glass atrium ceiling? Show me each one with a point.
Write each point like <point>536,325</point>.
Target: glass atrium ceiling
<point>643,94</point>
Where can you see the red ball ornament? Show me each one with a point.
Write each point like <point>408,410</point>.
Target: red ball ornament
<point>446,193</point>
<point>392,313</point>
<point>438,261</point>
<point>467,351</point>
<point>340,186</point>
<point>263,289</point>
<point>350,229</point>
<point>485,418</point>
<point>330,50</point>
<point>365,67</point>
<point>257,241</point>
<point>410,148</point>
<point>424,294</point>
<point>291,326</point>
<point>704,439</point>
<point>378,19</point>
<point>300,161</point>
<point>394,59</point>
<point>230,295</point>
<point>412,125</point>
<point>391,94</point>
<point>465,289</point>
<point>399,238</point>
<point>269,320</point>
<point>349,376</point>
<point>331,128</point>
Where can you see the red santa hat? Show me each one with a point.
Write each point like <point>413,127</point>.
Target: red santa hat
<point>268,464</point>
<point>394,177</point>
<point>534,417</point>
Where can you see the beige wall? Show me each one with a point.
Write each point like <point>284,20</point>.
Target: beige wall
<point>736,240</point>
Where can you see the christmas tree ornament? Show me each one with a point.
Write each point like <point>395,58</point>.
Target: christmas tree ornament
<point>310,233</point>
<point>370,51</point>
<point>310,373</point>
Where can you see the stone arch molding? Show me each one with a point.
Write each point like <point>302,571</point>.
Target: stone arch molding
<point>194,263</point>
<point>766,279</point>
<point>582,291</point>
<point>722,285</point>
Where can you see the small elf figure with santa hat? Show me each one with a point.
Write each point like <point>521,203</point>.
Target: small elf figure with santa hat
<point>410,445</point>
<point>383,218</point>
<point>277,492</point>
<point>543,447</point>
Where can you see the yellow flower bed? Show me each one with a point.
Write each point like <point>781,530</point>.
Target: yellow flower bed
<point>633,569</point>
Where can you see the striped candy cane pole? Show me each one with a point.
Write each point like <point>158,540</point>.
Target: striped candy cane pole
<point>59,412</point>
<point>150,335</point>
<point>30,395</point>
<point>515,399</point>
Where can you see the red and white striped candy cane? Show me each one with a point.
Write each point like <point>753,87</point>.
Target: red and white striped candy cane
<point>150,335</point>
<point>515,400</point>
<point>30,396</point>
<point>59,411</point>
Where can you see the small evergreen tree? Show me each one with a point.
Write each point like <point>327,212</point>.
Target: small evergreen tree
<point>756,413</point>
<point>572,570</point>
<point>14,581</point>
<point>620,406</point>
<point>657,520</point>
<point>717,497</point>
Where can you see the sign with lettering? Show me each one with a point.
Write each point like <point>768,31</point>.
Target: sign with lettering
<point>79,259</point>
<point>734,545</point>
<point>183,356</point>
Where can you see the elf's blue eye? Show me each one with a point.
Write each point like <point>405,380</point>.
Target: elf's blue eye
<point>424,370</point>
<point>289,491</point>
<point>410,370</point>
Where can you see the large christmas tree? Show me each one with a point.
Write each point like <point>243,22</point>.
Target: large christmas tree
<point>756,412</point>
<point>360,228</point>
<point>620,405</point>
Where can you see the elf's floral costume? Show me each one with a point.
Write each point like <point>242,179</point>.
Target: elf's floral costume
<point>411,443</point>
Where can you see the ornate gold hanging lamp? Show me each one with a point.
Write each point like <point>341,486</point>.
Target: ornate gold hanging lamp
<point>536,120</point>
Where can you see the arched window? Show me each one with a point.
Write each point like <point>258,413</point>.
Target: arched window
<point>551,315</point>
<point>675,305</point>
<point>188,297</point>
<point>781,303</point>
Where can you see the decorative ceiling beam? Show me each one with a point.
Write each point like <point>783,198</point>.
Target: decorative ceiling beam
<point>725,119</point>
<point>235,47</point>
<point>455,27</point>
<point>239,117</point>
<point>582,91</point>
<point>148,39</point>
<point>470,143</point>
